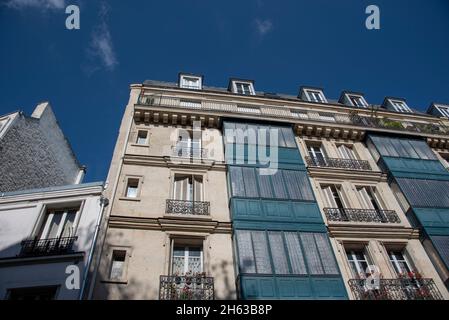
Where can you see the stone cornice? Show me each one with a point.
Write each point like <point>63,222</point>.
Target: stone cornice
<point>174,162</point>
<point>362,230</point>
<point>335,173</point>
<point>175,223</point>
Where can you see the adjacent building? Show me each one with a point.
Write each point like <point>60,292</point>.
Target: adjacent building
<point>49,220</point>
<point>236,193</point>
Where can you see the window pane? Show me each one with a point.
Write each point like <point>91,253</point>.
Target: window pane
<point>327,256</point>
<point>54,224</point>
<point>278,253</point>
<point>264,185</point>
<point>261,252</point>
<point>289,137</point>
<point>311,252</point>
<point>278,184</point>
<point>245,251</point>
<point>69,228</point>
<point>249,179</point>
<point>304,186</point>
<point>295,253</point>
<point>238,188</point>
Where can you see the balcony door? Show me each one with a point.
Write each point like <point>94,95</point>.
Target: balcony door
<point>369,198</point>
<point>359,262</point>
<point>317,154</point>
<point>58,223</point>
<point>333,196</point>
<point>346,152</point>
<point>189,144</point>
<point>400,262</point>
<point>187,260</point>
<point>188,188</point>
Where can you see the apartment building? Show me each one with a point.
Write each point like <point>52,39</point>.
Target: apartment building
<point>48,218</point>
<point>236,193</point>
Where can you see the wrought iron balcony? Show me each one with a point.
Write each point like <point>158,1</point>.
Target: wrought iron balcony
<point>361,215</point>
<point>349,164</point>
<point>187,207</point>
<point>197,287</point>
<point>44,247</point>
<point>199,153</point>
<point>396,289</point>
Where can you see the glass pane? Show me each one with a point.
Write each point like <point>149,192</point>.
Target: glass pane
<point>278,185</point>
<point>327,256</point>
<point>264,185</point>
<point>278,253</point>
<point>289,137</point>
<point>295,253</point>
<point>54,225</point>
<point>117,269</point>
<point>261,254</point>
<point>245,251</point>
<point>68,230</point>
<point>311,252</point>
<point>249,179</point>
<point>238,188</point>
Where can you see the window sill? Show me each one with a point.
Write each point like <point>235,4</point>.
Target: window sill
<point>129,199</point>
<point>140,145</point>
<point>115,281</point>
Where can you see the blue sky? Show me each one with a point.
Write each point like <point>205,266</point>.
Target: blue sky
<point>86,73</point>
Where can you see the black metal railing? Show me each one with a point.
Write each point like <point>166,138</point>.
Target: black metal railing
<point>183,152</point>
<point>43,247</point>
<point>395,289</point>
<point>187,207</point>
<point>350,164</point>
<point>361,215</point>
<point>186,288</point>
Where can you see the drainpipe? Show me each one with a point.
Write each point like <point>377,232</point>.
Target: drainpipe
<point>114,191</point>
<point>103,203</point>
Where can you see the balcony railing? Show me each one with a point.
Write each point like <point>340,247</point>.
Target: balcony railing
<point>350,164</point>
<point>361,215</point>
<point>396,289</point>
<point>187,207</point>
<point>198,153</point>
<point>186,288</point>
<point>43,247</point>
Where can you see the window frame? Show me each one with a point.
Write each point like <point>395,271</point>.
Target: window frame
<point>42,227</point>
<point>310,94</point>
<point>126,181</point>
<point>236,83</point>
<point>191,195</point>
<point>183,85</point>
<point>400,106</point>
<point>128,255</point>
<point>146,140</point>
<point>444,110</point>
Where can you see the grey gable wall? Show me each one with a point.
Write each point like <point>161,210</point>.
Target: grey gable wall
<point>35,154</point>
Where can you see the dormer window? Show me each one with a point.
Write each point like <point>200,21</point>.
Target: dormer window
<point>242,87</point>
<point>443,110</point>
<point>188,81</point>
<point>315,96</point>
<point>357,101</point>
<point>400,106</point>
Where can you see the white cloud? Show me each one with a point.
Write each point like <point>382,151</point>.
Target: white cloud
<point>101,46</point>
<point>263,26</point>
<point>41,4</point>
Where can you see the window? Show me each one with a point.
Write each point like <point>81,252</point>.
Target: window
<point>399,262</point>
<point>359,262</point>
<point>357,101</point>
<point>117,264</point>
<point>276,252</point>
<point>369,198</point>
<point>58,223</point>
<point>317,154</point>
<point>425,193</point>
<point>333,196</point>
<point>346,152</point>
<point>244,88</point>
<point>188,187</point>
<point>284,184</point>
<point>132,188</point>
<point>261,135</point>
<point>404,148</point>
<point>142,137</point>
<point>33,293</point>
<point>315,96</point>
<point>441,244</point>
<point>400,106</point>
<point>189,144</point>
<point>187,259</point>
<point>190,82</point>
<point>443,110</point>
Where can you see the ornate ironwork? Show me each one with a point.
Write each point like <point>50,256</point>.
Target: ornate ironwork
<point>195,287</point>
<point>361,215</point>
<point>182,152</point>
<point>187,207</point>
<point>395,289</point>
<point>51,246</point>
<point>350,164</point>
